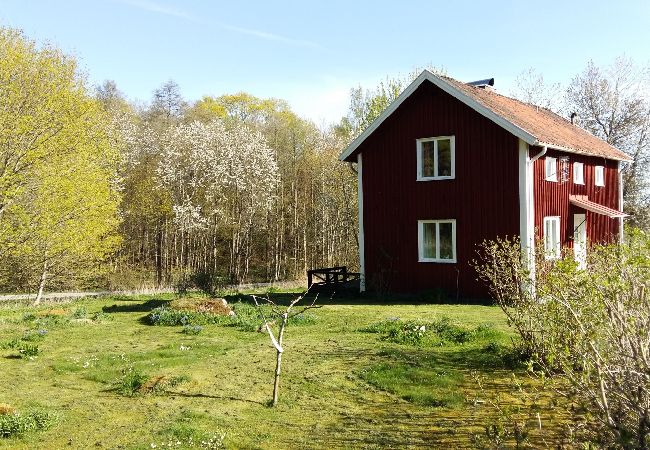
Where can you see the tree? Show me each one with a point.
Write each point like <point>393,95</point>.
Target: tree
<point>58,190</point>
<point>589,329</point>
<point>531,88</point>
<point>282,315</point>
<point>613,103</point>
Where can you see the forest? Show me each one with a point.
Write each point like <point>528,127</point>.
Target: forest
<point>97,191</point>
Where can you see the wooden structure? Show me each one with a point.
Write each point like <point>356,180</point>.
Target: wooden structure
<point>331,279</point>
<point>449,165</point>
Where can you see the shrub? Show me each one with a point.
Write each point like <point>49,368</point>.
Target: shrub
<point>592,326</point>
<point>442,331</point>
<point>192,329</point>
<point>14,423</point>
<point>80,313</point>
<point>131,381</point>
<point>134,382</point>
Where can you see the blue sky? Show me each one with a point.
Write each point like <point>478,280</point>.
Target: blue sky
<point>312,53</point>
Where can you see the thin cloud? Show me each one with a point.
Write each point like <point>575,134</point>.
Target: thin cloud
<point>158,8</point>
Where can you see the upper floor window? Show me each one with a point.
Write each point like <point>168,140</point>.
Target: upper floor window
<point>436,158</point>
<point>552,248</point>
<point>437,240</point>
<point>550,168</point>
<point>599,175</point>
<point>578,173</point>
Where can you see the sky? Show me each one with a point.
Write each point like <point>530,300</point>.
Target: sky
<point>311,53</point>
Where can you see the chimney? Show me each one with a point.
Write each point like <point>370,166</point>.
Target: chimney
<point>573,116</point>
<point>487,84</point>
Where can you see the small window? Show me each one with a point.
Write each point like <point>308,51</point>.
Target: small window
<point>436,158</point>
<point>552,237</point>
<point>599,175</point>
<point>578,173</point>
<point>437,241</point>
<point>551,168</point>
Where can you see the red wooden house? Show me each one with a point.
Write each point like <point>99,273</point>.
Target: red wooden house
<point>449,164</point>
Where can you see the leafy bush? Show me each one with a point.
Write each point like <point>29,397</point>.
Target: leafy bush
<point>80,313</point>
<point>134,382</point>
<point>442,331</point>
<point>192,329</point>
<point>25,349</point>
<point>591,327</point>
<point>14,423</point>
<point>131,381</point>
<point>164,316</point>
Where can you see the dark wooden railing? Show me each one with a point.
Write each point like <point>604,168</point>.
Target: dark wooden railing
<point>330,276</point>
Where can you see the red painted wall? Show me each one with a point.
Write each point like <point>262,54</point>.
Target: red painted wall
<point>483,198</point>
<point>552,198</point>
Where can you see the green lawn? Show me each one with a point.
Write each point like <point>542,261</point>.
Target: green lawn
<point>348,381</point>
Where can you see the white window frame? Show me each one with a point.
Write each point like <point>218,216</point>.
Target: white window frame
<point>550,162</point>
<point>599,175</point>
<point>578,173</point>
<point>421,257</point>
<point>552,241</point>
<point>452,145</point>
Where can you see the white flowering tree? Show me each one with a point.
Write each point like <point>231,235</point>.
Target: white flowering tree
<point>221,182</point>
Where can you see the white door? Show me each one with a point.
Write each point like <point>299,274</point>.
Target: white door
<point>580,239</point>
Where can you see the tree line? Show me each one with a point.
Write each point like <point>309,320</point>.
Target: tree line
<point>96,191</point>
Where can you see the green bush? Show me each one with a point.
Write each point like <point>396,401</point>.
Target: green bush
<point>15,423</point>
<point>164,316</point>
<point>442,331</point>
<point>131,381</point>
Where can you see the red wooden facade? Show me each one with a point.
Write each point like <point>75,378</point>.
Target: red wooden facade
<point>552,198</point>
<point>483,198</point>
<point>490,193</point>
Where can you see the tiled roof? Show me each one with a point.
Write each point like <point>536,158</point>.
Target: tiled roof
<point>548,127</point>
<point>535,125</point>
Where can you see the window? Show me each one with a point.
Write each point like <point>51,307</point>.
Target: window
<point>437,241</point>
<point>578,173</point>
<point>599,175</point>
<point>551,168</point>
<point>436,158</point>
<point>552,237</point>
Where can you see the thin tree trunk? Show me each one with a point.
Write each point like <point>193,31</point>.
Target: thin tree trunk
<point>278,361</point>
<point>41,284</point>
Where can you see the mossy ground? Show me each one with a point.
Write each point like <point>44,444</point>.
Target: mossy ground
<point>341,387</point>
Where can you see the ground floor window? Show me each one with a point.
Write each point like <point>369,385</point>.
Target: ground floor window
<point>552,241</point>
<point>437,240</point>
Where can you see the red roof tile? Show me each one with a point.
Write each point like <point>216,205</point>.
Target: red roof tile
<point>548,127</point>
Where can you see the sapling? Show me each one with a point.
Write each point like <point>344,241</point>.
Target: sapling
<point>281,315</point>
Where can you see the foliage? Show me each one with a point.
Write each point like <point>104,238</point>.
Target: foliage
<point>58,190</point>
<point>442,331</point>
<point>13,424</point>
<point>131,382</point>
<point>591,326</point>
<point>192,329</point>
<point>165,316</point>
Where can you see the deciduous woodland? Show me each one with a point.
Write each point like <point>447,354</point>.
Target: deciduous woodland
<point>96,191</point>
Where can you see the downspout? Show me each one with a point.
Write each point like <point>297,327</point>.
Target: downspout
<point>531,212</point>
<point>539,155</point>
<point>621,171</point>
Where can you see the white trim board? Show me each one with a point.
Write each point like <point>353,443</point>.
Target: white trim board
<point>469,101</point>
<point>428,76</point>
<point>362,246</point>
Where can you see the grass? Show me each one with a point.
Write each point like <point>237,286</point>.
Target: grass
<point>115,381</point>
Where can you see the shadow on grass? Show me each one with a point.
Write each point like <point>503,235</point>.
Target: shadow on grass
<point>215,397</point>
<point>334,298</point>
<point>136,307</point>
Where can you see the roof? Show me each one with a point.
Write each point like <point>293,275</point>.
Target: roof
<point>534,125</point>
<point>583,202</point>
